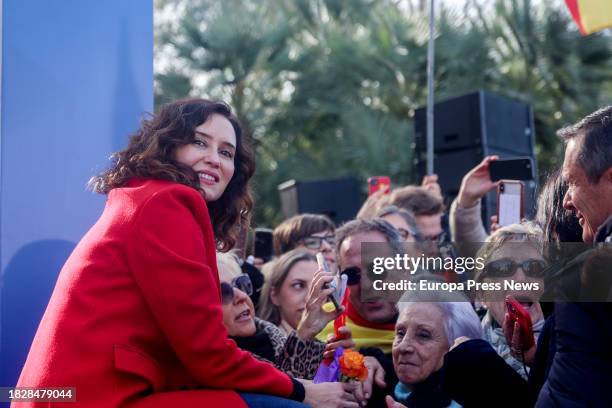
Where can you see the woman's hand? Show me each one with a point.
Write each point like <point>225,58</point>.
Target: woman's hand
<point>391,403</point>
<point>330,395</point>
<point>376,374</point>
<point>514,335</point>
<point>314,319</point>
<point>476,183</point>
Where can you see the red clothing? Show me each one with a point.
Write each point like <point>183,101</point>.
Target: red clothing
<point>135,317</point>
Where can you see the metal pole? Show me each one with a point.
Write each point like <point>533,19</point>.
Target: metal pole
<point>430,90</point>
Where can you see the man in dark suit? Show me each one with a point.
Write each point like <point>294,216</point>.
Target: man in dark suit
<point>579,360</point>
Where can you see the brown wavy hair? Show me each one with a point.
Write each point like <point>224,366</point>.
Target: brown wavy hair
<point>150,154</point>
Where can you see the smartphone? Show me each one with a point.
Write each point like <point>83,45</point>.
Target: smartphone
<point>263,244</point>
<point>376,183</point>
<point>518,314</point>
<point>516,168</point>
<point>510,202</point>
<point>334,297</point>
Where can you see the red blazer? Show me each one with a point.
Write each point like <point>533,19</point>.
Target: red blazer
<point>135,318</point>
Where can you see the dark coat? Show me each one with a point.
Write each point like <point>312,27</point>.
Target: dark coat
<point>476,376</point>
<point>580,372</point>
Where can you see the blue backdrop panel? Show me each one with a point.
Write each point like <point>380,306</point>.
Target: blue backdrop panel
<point>76,78</point>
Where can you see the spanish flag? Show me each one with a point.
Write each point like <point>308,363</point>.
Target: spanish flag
<point>591,15</point>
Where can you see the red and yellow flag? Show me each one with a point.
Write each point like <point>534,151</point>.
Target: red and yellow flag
<point>591,15</point>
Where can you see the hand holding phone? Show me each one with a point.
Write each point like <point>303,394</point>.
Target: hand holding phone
<point>476,183</point>
<point>518,314</point>
<point>334,297</point>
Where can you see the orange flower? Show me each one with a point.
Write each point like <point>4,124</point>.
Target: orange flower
<point>352,367</point>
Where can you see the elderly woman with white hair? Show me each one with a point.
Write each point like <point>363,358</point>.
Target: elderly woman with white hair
<point>425,331</point>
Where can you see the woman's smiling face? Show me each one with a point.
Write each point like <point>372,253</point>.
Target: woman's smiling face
<point>211,155</point>
<point>420,342</point>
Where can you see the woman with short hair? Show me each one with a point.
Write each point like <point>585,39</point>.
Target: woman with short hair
<point>424,333</point>
<point>265,340</point>
<point>512,253</point>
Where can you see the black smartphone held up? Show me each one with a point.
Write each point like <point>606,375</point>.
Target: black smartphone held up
<point>510,202</point>
<point>263,244</point>
<point>334,296</point>
<point>516,168</point>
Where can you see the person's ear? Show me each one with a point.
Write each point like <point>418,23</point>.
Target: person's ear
<point>274,298</point>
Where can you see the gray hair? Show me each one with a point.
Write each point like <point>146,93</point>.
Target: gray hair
<point>406,215</point>
<point>460,319</point>
<point>595,132</point>
<point>359,226</point>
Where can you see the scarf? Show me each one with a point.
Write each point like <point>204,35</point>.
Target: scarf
<point>364,333</point>
<point>258,344</point>
<point>426,394</point>
<point>494,334</point>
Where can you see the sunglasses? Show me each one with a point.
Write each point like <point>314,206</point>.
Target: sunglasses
<point>353,275</point>
<point>242,283</point>
<point>313,242</point>
<point>506,267</point>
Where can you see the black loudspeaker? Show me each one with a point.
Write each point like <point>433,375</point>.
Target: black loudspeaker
<point>339,199</point>
<point>468,128</point>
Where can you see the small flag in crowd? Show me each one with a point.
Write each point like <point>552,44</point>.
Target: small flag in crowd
<point>591,15</point>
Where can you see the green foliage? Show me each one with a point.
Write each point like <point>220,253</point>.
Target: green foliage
<point>328,88</point>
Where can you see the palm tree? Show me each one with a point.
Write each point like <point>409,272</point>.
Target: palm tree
<point>327,88</point>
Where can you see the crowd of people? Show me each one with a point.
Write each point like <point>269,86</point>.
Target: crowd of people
<point>156,306</point>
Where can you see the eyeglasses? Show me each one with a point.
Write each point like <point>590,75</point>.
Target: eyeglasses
<point>242,283</point>
<point>313,242</point>
<point>506,267</point>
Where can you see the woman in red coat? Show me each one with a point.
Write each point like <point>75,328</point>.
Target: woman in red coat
<point>135,318</point>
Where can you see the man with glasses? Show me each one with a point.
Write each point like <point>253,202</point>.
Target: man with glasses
<point>311,232</point>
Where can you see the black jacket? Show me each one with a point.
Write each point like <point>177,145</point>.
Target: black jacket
<point>580,373</point>
<point>476,376</point>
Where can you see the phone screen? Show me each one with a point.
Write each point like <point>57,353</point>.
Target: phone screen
<point>263,244</point>
<point>509,203</point>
